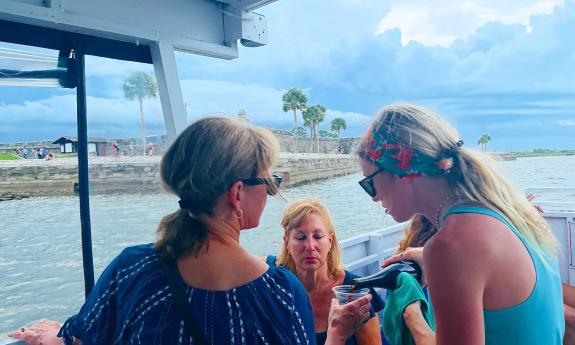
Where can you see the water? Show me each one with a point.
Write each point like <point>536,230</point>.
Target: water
<point>40,250</point>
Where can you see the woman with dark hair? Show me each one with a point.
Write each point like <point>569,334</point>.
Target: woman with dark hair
<point>197,284</point>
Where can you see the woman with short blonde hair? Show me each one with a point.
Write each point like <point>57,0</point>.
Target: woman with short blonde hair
<point>311,251</point>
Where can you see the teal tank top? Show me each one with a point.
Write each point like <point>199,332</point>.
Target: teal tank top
<point>537,320</point>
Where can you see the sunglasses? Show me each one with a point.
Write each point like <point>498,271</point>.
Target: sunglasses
<point>367,183</point>
<point>261,180</point>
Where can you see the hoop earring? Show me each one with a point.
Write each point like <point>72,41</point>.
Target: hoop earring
<point>238,213</point>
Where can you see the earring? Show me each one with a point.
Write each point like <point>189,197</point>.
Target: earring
<point>238,213</point>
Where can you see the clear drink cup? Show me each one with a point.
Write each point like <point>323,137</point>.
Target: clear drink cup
<point>348,293</point>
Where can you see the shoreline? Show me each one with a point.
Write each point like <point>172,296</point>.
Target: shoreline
<point>140,174</point>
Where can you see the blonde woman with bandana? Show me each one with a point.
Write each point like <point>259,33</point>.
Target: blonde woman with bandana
<point>491,268</point>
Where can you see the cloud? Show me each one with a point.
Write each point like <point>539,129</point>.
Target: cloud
<point>53,117</point>
<point>507,69</point>
<point>441,22</point>
<point>117,117</point>
<point>263,105</point>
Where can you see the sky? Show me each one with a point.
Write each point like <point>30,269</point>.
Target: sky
<point>503,68</point>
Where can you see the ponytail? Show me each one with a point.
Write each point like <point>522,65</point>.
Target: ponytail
<point>180,234</point>
<point>475,178</point>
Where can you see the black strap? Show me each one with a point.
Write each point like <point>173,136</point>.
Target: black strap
<point>172,274</point>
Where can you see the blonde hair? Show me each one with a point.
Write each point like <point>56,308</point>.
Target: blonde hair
<point>416,233</point>
<point>204,161</point>
<point>295,214</point>
<point>473,176</point>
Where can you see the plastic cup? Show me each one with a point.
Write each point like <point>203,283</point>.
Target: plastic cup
<point>347,293</point>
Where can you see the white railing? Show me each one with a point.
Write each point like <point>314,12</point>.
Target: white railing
<point>363,254</point>
<point>565,196</point>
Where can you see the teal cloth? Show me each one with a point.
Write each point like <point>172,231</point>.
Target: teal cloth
<point>407,291</point>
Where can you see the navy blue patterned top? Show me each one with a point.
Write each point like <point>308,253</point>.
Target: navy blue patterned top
<point>131,303</point>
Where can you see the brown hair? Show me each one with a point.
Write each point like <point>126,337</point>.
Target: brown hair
<point>204,161</point>
<point>295,214</point>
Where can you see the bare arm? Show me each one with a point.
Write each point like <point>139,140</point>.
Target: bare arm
<point>369,333</point>
<point>420,330</point>
<point>569,295</point>
<point>456,281</point>
<point>569,307</point>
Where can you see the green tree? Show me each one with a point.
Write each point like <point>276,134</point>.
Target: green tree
<point>326,134</point>
<point>299,132</point>
<point>294,99</point>
<point>483,140</point>
<point>140,85</point>
<point>337,125</point>
<point>312,117</point>
<point>308,120</point>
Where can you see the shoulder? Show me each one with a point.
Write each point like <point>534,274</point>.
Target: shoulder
<point>136,252</point>
<point>464,251</point>
<point>467,235</point>
<point>119,290</point>
<point>134,271</point>
<point>134,258</point>
<point>286,288</point>
<point>285,278</point>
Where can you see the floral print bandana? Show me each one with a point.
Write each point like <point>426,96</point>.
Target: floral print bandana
<point>403,160</point>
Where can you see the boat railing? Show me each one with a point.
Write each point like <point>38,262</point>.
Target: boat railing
<point>364,253</point>
<point>565,196</point>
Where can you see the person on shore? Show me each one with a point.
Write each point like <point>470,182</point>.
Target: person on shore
<point>491,268</point>
<point>310,250</point>
<point>197,284</point>
<point>115,148</point>
<point>150,149</point>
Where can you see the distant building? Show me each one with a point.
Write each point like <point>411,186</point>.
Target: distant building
<point>69,144</point>
<point>242,115</point>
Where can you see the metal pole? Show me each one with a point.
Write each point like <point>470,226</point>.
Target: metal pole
<point>84,188</point>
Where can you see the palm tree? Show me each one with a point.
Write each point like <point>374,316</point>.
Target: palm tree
<point>320,118</point>
<point>299,132</point>
<point>337,125</point>
<point>326,134</point>
<point>312,117</point>
<point>483,140</point>
<point>140,85</point>
<point>308,120</point>
<point>294,99</point>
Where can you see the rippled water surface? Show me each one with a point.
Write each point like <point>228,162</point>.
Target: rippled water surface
<point>40,251</point>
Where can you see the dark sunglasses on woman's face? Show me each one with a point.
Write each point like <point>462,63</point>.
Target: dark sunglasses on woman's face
<point>261,180</point>
<point>367,183</point>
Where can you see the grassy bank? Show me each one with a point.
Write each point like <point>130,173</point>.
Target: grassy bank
<point>8,157</point>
